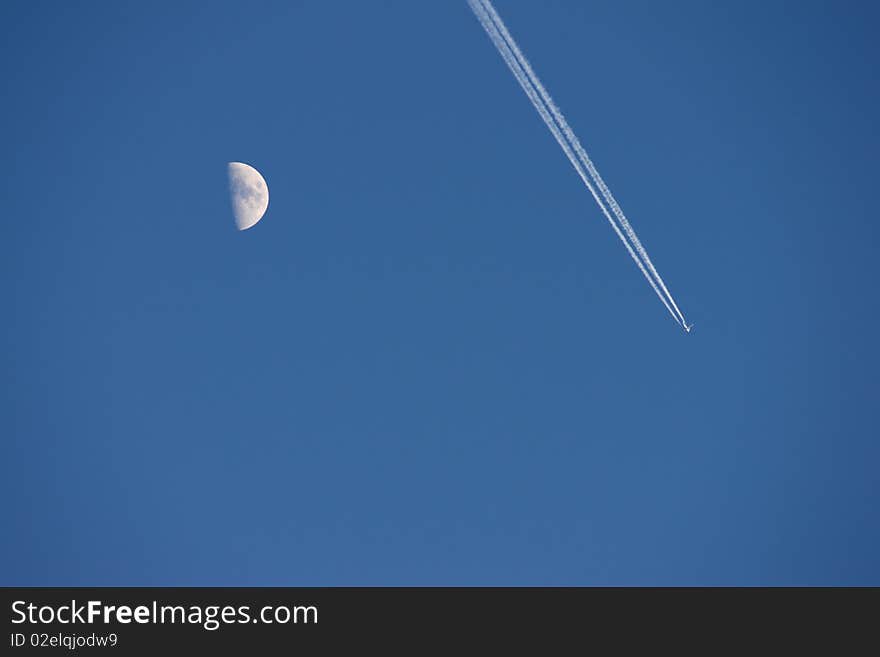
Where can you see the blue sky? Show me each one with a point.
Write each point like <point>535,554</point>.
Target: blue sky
<point>432,362</point>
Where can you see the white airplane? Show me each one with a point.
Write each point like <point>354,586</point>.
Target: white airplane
<point>688,328</point>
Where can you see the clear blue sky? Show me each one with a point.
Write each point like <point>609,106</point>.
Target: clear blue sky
<point>433,362</point>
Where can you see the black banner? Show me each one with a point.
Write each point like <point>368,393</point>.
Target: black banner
<point>173,620</point>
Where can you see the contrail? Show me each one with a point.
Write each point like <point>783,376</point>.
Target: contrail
<point>512,63</point>
<point>575,142</point>
<point>530,83</point>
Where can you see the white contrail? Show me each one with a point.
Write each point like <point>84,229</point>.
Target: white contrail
<point>534,82</point>
<point>575,142</point>
<point>520,75</point>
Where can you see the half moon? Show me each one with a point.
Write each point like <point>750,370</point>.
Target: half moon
<point>249,194</point>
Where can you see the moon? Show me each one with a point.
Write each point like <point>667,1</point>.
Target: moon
<point>249,194</point>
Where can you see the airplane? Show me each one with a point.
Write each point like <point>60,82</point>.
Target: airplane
<point>688,328</point>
